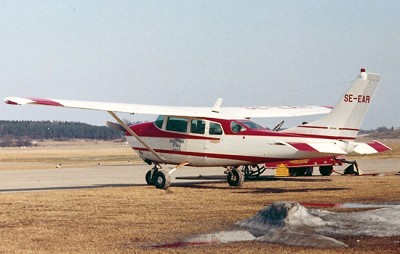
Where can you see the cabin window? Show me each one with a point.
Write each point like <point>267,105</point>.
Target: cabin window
<point>215,129</point>
<point>197,126</point>
<point>159,121</point>
<point>235,127</point>
<point>176,124</point>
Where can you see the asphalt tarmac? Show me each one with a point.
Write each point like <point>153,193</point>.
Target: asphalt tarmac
<point>131,175</point>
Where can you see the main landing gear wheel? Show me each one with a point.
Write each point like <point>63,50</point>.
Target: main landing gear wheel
<point>297,171</point>
<point>326,170</point>
<point>162,179</point>
<point>309,171</point>
<point>235,177</point>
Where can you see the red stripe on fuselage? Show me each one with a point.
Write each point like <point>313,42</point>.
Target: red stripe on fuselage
<point>313,127</point>
<point>325,127</point>
<point>251,159</point>
<point>348,129</point>
<point>267,133</point>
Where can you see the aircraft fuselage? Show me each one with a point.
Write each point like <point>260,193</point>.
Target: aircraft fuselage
<point>218,142</point>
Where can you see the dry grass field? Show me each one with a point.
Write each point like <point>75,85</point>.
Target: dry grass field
<point>73,154</point>
<point>133,218</point>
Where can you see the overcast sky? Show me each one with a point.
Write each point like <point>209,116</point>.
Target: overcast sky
<point>192,52</point>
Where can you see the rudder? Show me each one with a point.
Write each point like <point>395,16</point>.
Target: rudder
<point>345,119</point>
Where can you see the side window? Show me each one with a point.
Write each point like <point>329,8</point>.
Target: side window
<point>197,126</point>
<point>176,124</point>
<point>215,129</point>
<point>159,121</point>
<point>235,127</point>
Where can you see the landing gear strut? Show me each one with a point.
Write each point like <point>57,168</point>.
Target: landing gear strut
<point>253,171</point>
<point>352,169</point>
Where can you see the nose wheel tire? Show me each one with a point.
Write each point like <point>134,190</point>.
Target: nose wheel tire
<point>162,179</point>
<point>235,177</point>
<point>150,177</point>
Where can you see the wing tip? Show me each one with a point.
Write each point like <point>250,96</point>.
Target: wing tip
<point>11,101</point>
<point>39,101</point>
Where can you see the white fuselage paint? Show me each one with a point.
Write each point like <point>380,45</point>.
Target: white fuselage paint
<point>229,150</point>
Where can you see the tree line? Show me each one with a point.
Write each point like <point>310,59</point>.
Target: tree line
<point>20,133</point>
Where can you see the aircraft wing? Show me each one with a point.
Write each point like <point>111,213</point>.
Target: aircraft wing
<point>212,112</point>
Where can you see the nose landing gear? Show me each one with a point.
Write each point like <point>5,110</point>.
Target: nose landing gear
<point>161,179</point>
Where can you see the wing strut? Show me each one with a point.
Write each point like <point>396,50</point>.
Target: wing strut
<point>136,136</point>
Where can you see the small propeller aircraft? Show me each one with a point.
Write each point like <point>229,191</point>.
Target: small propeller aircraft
<point>226,137</point>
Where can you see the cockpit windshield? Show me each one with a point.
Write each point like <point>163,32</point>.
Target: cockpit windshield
<point>159,121</point>
<point>251,125</point>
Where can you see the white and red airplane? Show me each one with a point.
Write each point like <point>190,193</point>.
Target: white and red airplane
<point>224,136</point>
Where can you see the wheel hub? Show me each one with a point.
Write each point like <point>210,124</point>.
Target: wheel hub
<point>160,180</point>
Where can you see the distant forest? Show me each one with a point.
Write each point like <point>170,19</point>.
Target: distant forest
<point>20,133</point>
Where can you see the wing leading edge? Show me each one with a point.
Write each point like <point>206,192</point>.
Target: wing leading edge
<point>222,112</point>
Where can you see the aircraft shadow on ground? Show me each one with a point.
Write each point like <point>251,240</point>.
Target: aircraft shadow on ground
<point>279,190</point>
<point>203,183</point>
<point>292,179</point>
<point>243,189</point>
<point>260,178</point>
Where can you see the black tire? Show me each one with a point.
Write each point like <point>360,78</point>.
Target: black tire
<point>309,171</point>
<point>162,179</point>
<point>235,177</point>
<point>297,171</point>
<point>292,171</point>
<point>326,170</point>
<point>149,178</point>
<point>301,171</point>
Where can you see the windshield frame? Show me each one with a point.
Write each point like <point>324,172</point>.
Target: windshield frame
<point>250,125</point>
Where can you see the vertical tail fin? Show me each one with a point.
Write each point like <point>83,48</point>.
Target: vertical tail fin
<point>345,119</point>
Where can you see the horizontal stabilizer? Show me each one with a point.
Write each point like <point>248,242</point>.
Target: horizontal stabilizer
<point>370,148</point>
<point>338,147</point>
<point>328,148</point>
